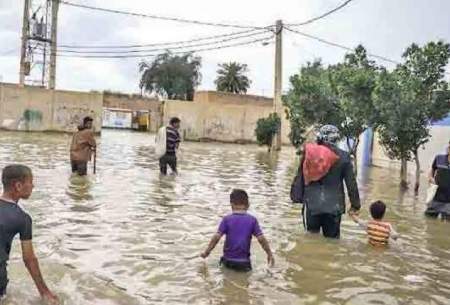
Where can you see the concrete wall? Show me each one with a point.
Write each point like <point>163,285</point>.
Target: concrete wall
<point>135,103</point>
<point>440,136</point>
<point>222,117</point>
<point>38,109</point>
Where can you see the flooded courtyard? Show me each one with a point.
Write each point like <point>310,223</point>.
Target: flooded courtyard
<point>129,236</point>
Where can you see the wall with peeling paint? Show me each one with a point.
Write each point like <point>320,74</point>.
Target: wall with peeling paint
<point>221,117</point>
<point>38,109</point>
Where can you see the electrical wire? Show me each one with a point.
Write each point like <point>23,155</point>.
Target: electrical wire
<point>339,45</point>
<point>69,46</point>
<point>182,20</point>
<point>176,47</point>
<point>177,52</point>
<point>344,4</point>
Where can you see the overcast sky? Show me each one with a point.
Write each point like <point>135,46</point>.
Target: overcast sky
<point>384,27</point>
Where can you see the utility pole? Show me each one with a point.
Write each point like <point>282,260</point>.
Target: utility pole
<point>277,100</point>
<point>23,49</point>
<point>54,36</point>
<point>38,36</point>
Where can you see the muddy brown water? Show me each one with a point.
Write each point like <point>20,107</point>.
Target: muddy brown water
<point>128,236</point>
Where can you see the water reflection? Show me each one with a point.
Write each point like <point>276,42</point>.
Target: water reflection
<point>79,188</point>
<point>129,236</point>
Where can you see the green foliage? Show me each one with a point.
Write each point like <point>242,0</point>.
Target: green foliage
<point>407,101</point>
<point>353,82</point>
<point>266,128</point>
<point>310,100</point>
<point>171,76</point>
<point>340,95</point>
<point>402,123</point>
<point>231,78</point>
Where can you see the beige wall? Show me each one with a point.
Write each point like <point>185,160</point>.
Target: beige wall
<point>440,135</point>
<point>222,117</point>
<point>38,109</point>
<point>135,103</point>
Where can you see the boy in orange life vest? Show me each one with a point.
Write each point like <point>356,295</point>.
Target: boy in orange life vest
<point>378,230</point>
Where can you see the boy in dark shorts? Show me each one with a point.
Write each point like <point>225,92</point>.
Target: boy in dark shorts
<point>239,227</point>
<point>17,183</point>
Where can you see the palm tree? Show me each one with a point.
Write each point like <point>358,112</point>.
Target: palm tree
<point>231,78</point>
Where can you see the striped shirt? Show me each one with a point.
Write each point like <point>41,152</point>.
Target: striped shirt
<point>173,139</point>
<point>378,232</point>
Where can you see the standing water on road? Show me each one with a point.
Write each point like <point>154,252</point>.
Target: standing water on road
<point>129,236</point>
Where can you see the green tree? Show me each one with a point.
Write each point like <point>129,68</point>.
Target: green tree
<point>171,76</point>
<point>353,82</point>
<point>310,101</point>
<point>231,77</point>
<point>408,99</point>
<point>266,128</point>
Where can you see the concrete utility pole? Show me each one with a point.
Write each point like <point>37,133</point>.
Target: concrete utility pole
<point>54,36</point>
<point>277,101</point>
<point>23,49</point>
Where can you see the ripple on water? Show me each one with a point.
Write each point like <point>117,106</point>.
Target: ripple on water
<point>129,236</point>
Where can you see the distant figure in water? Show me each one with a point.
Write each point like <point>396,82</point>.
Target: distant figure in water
<point>17,183</point>
<point>82,147</point>
<point>378,231</point>
<point>239,227</point>
<point>173,140</point>
<point>440,175</point>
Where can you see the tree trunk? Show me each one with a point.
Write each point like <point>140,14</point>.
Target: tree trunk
<point>417,185</point>
<point>354,153</point>
<point>404,174</point>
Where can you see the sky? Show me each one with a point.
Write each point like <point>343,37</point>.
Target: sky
<point>384,27</point>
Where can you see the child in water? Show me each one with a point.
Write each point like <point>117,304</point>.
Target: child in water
<point>239,227</point>
<point>378,230</point>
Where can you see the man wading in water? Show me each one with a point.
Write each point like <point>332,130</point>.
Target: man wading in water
<point>17,183</point>
<point>173,140</point>
<point>83,144</point>
<point>320,184</point>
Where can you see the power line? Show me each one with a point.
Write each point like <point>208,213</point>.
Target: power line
<point>344,4</point>
<point>176,47</point>
<point>178,52</point>
<point>68,46</point>
<point>340,46</point>
<point>182,20</point>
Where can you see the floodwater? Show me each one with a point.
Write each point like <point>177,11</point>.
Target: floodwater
<point>128,236</point>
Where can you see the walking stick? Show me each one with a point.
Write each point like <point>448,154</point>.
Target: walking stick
<point>95,161</point>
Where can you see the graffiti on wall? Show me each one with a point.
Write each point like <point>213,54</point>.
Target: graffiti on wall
<point>31,119</point>
<point>214,127</point>
<point>70,117</point>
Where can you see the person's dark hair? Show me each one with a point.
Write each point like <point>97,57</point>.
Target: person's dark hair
<point>174,121</point>
<point>239,197</point>
<point>14,173</point>
<point>377,210</point>
<point>87,119</point>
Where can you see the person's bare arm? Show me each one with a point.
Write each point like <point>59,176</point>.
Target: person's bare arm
<point>212,244</point>
<point>393,234</point>
<point>362,224</point>
<point>431,177</point>
<point>91,141</point>
<point>32,264</point>
<point>266,247</point>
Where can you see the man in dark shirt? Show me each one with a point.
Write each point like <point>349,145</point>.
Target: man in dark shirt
<point>172,143</point>
<point>439,175</point>
<point>17,183</point>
